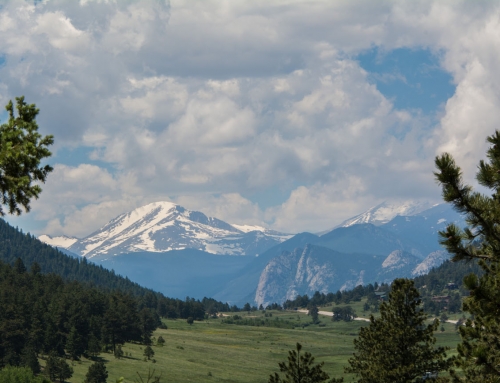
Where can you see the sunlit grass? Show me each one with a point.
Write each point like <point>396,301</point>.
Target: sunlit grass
<point>210,351</point>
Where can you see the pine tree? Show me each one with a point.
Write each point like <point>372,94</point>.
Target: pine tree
<point>313,312</point>
<point>148,352</point>
<point>398,347</point>
<point>97,373</point>
<point>118,351</point>
<point>479,352</point>
<point>29,359</point>
<point>21,150</point>
<point>94,347</point>
<point>74,344</point>
<point>160,341</point>
<point>301,369</point>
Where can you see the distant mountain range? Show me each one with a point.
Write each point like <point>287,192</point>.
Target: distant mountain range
<point>163,227</point>
<point>185,253</point>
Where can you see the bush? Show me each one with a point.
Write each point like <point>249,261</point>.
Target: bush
<point>20,375</point>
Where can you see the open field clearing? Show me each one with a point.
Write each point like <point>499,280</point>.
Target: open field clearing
<point>212,351</point>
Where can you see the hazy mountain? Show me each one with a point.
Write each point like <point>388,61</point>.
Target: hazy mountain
<point>163,227</point>
<point>180,252</point>
<point>317,268</point>
<point>384,212</point>
<point>241,288</point>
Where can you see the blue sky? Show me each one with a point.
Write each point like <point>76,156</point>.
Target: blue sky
<point>291,115</point>
<point>411,78</point>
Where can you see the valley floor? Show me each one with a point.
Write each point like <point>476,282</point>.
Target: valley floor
<point>213,351</point>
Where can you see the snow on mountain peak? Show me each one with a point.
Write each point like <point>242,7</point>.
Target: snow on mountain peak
<point>249,228</point>
<point>384,212</point>
<point>164,226</point>
<point>61,241</point>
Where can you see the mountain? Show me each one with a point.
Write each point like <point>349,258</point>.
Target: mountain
<point>61,241</point>
<point>179,273</point>
<point>404,246</point>
<point>316,268</point>
<point>384,212</point>
<point>185,253</point>
<point>163,227</point>
<point>367,238</point>
<point>241,288</point>
<point>423,228</point>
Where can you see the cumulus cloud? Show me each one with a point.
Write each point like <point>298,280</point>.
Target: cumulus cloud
<point>202,103</point>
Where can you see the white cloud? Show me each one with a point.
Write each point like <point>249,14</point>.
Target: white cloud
<point>209,101</point>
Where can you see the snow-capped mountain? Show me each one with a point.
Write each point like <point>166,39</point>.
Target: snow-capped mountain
<point>60,241</point>
<point>164,226</point>
<point>383,213</point>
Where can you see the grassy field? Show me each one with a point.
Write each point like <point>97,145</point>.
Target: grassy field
<point>211,351</point>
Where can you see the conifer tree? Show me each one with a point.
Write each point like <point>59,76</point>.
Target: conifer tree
<point>398,347</point>
<point>118,351</point>
<point>313,312</point>
<point>21,150</point>
<point>57,368</point>
<point>479,352</point>
<point>149,352</point>
<point>160,341</point>
<point>97,373</point>
<point>74,344</point>
<point>301,369</point>
<point>29,359</point>
<point>94,347</point>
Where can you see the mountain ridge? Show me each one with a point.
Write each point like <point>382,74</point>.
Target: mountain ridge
<point>164,226</point>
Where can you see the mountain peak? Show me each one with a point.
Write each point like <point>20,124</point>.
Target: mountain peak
<point>164,226</point>
<point>387,210</point>
<point>58,241</point>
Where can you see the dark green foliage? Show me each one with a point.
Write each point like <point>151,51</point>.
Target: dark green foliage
<point>75,345</point>
<point>148,352</point>
<point>42,313</point>
<point>257,322</point>
<point>21,150</point>
<point>149,321</point>
<point>93,346</point>
<point>57,368</point>
<point>19,375</point>
<point>97,373</point>
<point>41,258</point>
<point>301,369</point>
<point>346,296</point>
<point>30,360</point>
<point>160,341</point>
<point>190,320</point>
<point>479,352</point>
<point>345,314</point>
<point>398,347</point>
<point>313,312</point>
<point>118,352</point>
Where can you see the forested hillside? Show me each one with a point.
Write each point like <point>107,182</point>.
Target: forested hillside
<point>14,244</point>
<point>45,314</point>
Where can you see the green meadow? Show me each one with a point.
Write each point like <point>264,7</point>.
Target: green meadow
<point>212,351</point>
